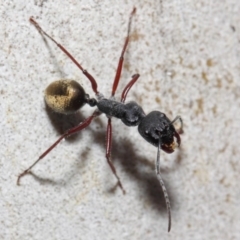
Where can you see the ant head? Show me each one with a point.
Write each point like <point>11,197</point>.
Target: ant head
<point>65,96</point>
<point>156,126</point>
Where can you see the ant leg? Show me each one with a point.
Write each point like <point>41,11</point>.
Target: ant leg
<point>84,71</point>
<point>73,130</point>
<point>108,153</point>
<point>120,63</point>
<point>167,201</point>
<point>176,135</point>
<point>128,87</point>
<point>180,130</point>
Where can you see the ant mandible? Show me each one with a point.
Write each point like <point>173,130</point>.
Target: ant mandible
<point>67,96</point>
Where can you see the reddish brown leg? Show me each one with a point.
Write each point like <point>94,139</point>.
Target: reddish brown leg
<point>88,75</point>
<point>108,153</point>
<point>128,87</point>
<point>121,59</point>
<point>180,130</point>
<point>76,129</point>
<point>176,135</point>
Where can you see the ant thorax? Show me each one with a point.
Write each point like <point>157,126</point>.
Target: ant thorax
<point>130,113</point>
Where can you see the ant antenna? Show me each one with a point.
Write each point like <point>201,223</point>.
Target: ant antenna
<point>167,201</point>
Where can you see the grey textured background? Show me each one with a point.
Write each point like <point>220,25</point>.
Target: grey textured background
<point>187,53</point>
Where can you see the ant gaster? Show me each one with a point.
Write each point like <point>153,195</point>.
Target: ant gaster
<point>67,96</point>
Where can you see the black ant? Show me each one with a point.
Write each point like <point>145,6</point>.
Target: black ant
<point>67,96</point>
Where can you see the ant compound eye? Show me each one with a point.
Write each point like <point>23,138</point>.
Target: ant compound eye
<point>65,96</point>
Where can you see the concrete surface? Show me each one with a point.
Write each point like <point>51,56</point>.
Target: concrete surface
<point>188,55</point>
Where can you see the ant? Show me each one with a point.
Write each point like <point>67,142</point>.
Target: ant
<point>67,96</point>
